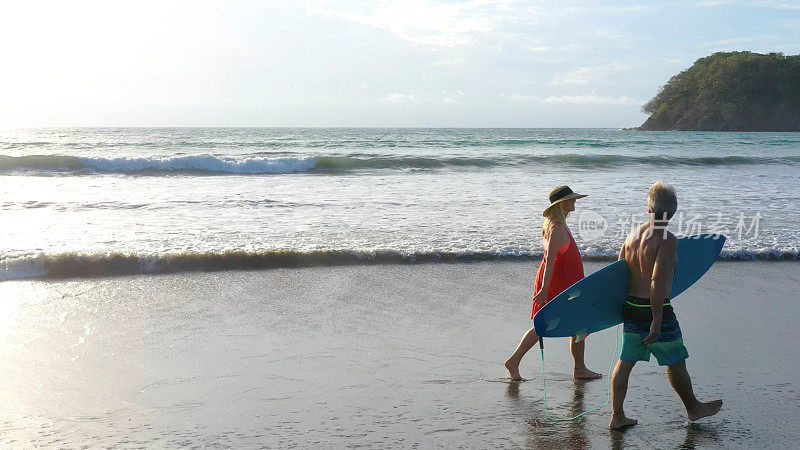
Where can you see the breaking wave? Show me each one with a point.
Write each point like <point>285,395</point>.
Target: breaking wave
<point>66,265</point>
<point>201,163</point>
<point>208,164</point>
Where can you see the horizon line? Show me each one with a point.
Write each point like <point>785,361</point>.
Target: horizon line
<point>15,127</point>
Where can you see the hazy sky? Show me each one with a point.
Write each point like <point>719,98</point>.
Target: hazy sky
<point>362,63</point>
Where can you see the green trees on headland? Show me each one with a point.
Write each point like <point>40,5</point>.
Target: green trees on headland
<point>730,91</point>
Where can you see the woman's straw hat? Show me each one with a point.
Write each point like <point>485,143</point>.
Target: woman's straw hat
<point>560,194</point>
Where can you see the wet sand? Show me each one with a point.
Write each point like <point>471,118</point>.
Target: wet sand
<point>377,356</point>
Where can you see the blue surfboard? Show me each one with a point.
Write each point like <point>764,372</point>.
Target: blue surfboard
<point>595,302</point>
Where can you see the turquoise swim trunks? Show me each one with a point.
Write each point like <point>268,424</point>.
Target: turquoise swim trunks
<point>668,348</point>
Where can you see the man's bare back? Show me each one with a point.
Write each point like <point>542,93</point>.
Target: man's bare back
<point>650,252</point>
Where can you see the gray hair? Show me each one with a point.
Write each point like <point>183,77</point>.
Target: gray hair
<point>661,200</point>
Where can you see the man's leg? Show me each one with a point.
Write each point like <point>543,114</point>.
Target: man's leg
<point>512,364</point>
<point>619,387</point>
<point>682,383</point>
<point>580,371</point>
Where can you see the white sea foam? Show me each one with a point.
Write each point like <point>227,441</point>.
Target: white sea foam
<point>22,267</point>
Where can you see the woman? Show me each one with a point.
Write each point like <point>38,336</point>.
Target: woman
<point>560,268</point>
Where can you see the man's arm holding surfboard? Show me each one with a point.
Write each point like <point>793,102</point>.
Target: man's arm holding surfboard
<point>663,271</point>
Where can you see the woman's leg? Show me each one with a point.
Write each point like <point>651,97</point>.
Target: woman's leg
<point>512,363</point>
<point>580,372</point>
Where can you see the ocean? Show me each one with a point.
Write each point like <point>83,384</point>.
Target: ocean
<point>132,316</point>
<point>101,201</point>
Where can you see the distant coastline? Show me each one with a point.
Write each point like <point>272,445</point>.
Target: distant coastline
<point>730,91</point>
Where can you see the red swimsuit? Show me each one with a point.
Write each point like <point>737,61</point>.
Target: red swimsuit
<point>567,269</point>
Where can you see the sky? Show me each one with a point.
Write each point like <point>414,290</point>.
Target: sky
<point>392,63</point>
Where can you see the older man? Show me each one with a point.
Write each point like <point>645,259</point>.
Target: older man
<point>650,323</point>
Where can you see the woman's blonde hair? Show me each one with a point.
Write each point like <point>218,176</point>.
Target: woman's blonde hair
<point>555,213</point>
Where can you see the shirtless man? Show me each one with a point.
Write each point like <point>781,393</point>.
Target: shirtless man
<point>650,323</point>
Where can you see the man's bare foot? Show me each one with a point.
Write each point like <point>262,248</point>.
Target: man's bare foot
<point>513,370</point>
<point>705,410</point>
<point>585,374</point>
<point>620,422</point>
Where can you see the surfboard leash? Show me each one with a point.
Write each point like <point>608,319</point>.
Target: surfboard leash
<point>608,397</point>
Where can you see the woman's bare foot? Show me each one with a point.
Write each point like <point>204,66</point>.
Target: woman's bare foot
<point>620,422</point>
<point>513,370</point>
<point>585,374</point>
<point>704,410</point>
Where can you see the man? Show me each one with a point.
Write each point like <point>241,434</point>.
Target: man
<point>650,323</point>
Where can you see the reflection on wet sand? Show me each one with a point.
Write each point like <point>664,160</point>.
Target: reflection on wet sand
<point>697,436</point>
<point>512,390</point>
<point>545,433</point>
<point>577,434</point>
<point>618,438</point>
<point>697,433</point>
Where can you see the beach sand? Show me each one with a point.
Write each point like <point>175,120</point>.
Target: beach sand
<point>382,356</point>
